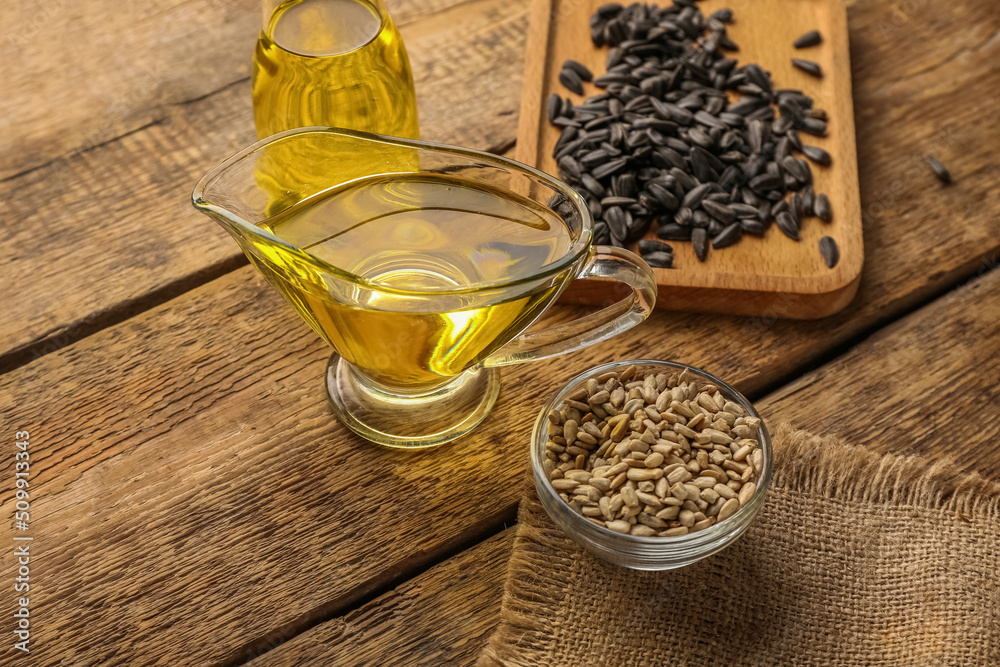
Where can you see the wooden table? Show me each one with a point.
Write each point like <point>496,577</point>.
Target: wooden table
<point>193,502</point>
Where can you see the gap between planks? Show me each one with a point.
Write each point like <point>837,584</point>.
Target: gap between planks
<point>260,647</point>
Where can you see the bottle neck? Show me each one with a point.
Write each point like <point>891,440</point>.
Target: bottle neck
<point>271,7</point>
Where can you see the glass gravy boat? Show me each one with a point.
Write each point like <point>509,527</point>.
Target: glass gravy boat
<point>417,343</point>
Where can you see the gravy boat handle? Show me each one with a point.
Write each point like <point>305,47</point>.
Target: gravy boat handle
<point>605,262</point>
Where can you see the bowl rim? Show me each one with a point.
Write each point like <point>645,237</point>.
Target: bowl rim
<point>719,530</point>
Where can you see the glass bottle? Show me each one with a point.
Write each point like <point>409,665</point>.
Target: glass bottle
<point>340,63</point>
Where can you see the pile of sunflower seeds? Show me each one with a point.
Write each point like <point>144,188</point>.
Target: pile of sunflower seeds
<point>664,142</point>
<point>653,455</point>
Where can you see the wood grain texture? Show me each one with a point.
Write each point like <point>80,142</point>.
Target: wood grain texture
<point>197,498</point>
<point>917,401</point>
<point>201,502</point>
<point>90,72</point>
<point>928,384</point>
<point>441,617</point>
<point>97,222</point>
<point>755,274</point>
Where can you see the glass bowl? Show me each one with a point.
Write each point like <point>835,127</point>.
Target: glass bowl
<point>636,552</point>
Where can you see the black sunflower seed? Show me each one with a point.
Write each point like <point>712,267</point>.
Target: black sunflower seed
<point>794,207</point>
<point>686,181</point>
<point>808,66</point>
<point>699,241</point>
<point>743,210</point>
<point>939,170</point>
<point>794,139</point>
<point>553,106</point>
<point>665,158</point>
<point>720,212</point>
<point>652,245</point>
<point>787,225</point>
<point>808,199</point>
<point>649,203</point>
<point>752,227</point>
<point>728,236</point>
<point>663,196</point>
<point>700,219</point>
<point>723,15</point>
<point>700,137</point>
<point>730,177</point>
<point>678,145</point>
<point>702,169</point>
<point>594,158</point>
<point>659,260</point>
<point>562,121</point>
<point>747,105</point>
<point>567,107</point>
<point>821,206</point>
<point>570,167</point>
<point>593,185</point>
<point>766,181</point>
<point>709,120</point>
<point>829,250</point>
<point>609,10</point>
<point>755,135</point>
<point>726,43</point>
<point>712,160</point>
<point>595,208</point>
<point>817,155</point>
<point>811,38</point>
<point>571,79</point>
<point>796,168</point>
<point>624,185</point>
<point>617,201</point>
<point>617,223</point>
<point>781,125</point>
<point>684,216</point>
<point>568,134</point>
<point>674,232</point>
<point>696,194</point>
<point>758,77</point>
<point>813,126</point>
<point>609,167</point>
<point>580,69</point>
<point>601,234</point>
<point>764,212</point>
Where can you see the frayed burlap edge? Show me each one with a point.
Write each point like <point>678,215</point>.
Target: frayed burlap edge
<point>803,463</point>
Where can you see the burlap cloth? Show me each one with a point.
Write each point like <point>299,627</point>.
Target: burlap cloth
<point>855,559</point>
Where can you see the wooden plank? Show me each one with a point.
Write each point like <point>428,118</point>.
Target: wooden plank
<point>111,210</point>
<point>201,500</point>
<point>89,72</point>
<point>906,390</point>
<point>70,94</point>
<point>755,274</point>
<point>926,385</point>
<point>442,617</point>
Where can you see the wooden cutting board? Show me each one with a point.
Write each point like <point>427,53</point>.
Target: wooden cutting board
<point>772,276</point>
